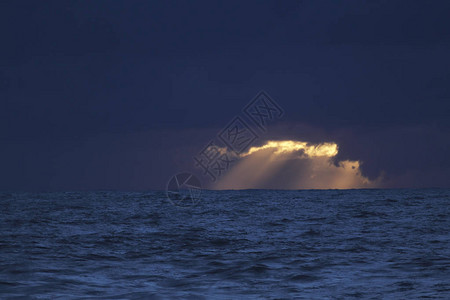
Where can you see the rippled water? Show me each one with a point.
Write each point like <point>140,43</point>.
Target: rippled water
<point>234,244</point>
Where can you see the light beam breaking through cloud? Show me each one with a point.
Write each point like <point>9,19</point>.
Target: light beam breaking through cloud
<point>294,165</point>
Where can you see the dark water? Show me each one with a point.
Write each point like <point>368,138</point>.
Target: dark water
<point>390,244</point>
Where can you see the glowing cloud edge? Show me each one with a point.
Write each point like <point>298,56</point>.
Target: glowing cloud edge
<point>287,146</point>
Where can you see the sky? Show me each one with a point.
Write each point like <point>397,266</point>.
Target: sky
<point>123,95</point>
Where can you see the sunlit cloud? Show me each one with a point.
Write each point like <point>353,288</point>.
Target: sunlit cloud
<point>311,150</point>
<point>294,165</point>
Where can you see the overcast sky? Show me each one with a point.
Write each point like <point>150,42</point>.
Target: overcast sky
<point>123,94</point>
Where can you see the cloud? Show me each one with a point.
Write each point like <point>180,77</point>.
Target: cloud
<point>290,164</point>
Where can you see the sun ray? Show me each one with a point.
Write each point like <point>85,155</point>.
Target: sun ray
<point>289,164</point>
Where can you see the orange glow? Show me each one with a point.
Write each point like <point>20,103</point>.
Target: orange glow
<point>324,149</point>
<point>277,164</point>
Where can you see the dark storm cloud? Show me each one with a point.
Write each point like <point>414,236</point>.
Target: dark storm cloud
<point>78,78</point>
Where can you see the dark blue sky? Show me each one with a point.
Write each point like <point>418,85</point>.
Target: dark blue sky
<point>121,94</point>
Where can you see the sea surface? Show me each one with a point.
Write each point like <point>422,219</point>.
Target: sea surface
<point>253,244</point>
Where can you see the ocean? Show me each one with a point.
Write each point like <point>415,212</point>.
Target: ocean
<point>251,244</point>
